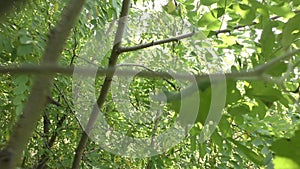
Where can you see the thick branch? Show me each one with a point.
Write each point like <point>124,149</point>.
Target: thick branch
<point>86,71</point>
<point>155,43</point>
<point>106,85</point>
<point>38,95</point>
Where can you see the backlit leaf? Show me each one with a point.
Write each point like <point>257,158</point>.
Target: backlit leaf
<point>288,148</point>
<point>291,31</point>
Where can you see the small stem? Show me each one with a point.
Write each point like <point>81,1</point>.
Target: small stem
<point>155,43</point>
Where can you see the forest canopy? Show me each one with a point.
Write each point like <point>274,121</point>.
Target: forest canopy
<point>150,84</point>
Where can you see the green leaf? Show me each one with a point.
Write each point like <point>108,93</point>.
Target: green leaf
<point>260,109</point>
<point>290,31</point>
<point>114,4</point>
<point>296,2</point>
<point>94,22</point>
<point>233,94</point>
<point>221,12</point>
<point>24,50</point>
<point>191,14</point>
<point>190,7</point>
<point>288,148</point>
<point>278,69</point>
<point>25,40</point>
<point>249,153</point>
<point>263,91</point>
<point>188,108</point>
<point>23,32</point>
<point>208,2</point>
<point>244,7</point>
<point>193,140</point>
<point>209,21</point>
<point>21,79</point>
<point>202,149</point>
<point>234,164</point>
<point>196,130</point>
<point>19,99</point>
<point>224,3</point>
<point>19,109</point>
<point>228,40</point>
<point>175,101</point>
<point>205,100</point>
<point>281,10</point>
<point>267,40</point>
<point>176,96</point>
<point>257,4</point>
<point>20,89</point>
<point>171,6</point>
<point>237,112</point>
<point>217,139</point>
<point>284,163</point>
<point>214,25</point>
<point>248,15</point>
<point>5,44</point>
<point>189,2</point>
<point>224,127</point>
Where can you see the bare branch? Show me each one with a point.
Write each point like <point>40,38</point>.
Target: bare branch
<point>155,43</point>
<point>87,71</point>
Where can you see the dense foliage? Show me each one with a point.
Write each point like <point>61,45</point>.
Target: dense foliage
<point>259,127</point>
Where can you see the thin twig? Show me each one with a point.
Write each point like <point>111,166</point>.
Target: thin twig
<point>155,43</point>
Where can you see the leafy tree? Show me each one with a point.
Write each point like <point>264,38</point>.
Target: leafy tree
<point>234,63</point>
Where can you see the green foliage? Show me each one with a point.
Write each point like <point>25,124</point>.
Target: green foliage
<point>264,92</point>
<point>284,150</point>
<point>208,2</point>
<point>20,92</point>
<point>259,126</point>
<point>249,153</point>
<point>290,31</point>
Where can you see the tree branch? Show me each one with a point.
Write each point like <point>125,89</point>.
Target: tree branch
<point>155,43</point>
<point>271,63</point>
<point>86,71</point>
<point>243,26</point>
<point>257,73</point>
<point>41,87</point>
<point>106,85</point>
<point>53,69</point>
